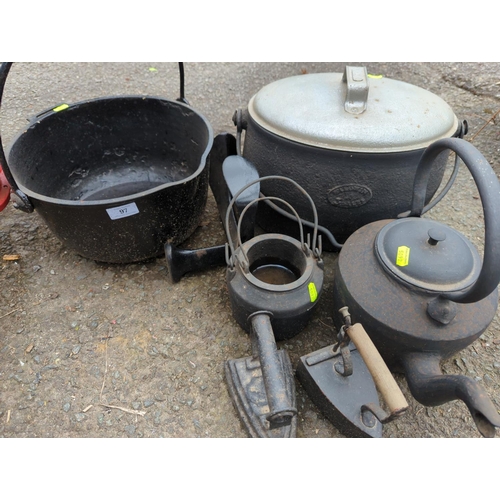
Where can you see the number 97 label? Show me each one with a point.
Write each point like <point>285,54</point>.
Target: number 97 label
<point>123,211</point>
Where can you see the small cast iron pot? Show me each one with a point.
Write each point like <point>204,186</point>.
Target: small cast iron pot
<point>274,273</point>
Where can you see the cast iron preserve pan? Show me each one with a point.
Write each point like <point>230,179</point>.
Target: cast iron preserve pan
<point>114,178</point>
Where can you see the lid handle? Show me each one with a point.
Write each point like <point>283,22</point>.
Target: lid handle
<point>356,80</point>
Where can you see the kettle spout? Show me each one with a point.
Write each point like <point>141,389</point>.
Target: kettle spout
<point>430,387</point>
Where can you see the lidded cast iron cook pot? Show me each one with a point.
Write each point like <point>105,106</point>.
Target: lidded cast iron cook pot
<point>352,140</point>
<point>114,178</point>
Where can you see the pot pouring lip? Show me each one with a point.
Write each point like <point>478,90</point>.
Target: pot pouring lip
<point>309,109</point>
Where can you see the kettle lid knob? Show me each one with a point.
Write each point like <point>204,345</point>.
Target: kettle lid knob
<point>435,236</point>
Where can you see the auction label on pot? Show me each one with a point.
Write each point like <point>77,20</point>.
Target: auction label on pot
<point>123,211</point>
<point>403,256</point>
<point>313,293</point>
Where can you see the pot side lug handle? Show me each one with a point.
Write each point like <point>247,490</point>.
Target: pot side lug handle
<point>430,387</point>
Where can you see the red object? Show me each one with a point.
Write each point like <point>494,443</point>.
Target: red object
<point>4,190</point>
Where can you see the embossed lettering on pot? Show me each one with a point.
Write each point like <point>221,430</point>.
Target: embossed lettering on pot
<point>349,196</point>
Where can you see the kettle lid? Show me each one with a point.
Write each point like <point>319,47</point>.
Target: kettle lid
<point>427,254</point>
<point>353,111</point>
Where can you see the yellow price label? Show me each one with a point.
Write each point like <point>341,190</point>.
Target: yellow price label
<point>313,293</point>
<point>403,256</point>
<point>60,108</point>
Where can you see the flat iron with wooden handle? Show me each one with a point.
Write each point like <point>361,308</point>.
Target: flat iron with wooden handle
<point>383,378</point>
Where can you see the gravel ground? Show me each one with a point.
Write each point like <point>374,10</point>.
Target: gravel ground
<point>76,335</point>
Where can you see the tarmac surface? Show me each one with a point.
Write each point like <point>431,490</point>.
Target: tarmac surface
<point>99,350</point>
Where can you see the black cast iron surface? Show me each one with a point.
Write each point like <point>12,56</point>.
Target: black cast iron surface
<point>115,178</point>
<point>78,334</point>
<point>349,189</point>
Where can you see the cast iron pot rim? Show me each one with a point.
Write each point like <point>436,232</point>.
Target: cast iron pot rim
<point>267,287</point>
<point>361,151</point>
<point>132,197</point>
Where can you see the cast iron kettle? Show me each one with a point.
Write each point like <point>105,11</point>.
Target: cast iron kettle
<point>420,290</point>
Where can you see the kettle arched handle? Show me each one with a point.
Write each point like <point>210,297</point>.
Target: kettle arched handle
<point>488,187</point>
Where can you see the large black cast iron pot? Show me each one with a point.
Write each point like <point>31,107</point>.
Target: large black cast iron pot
<point>352,140</point>
<point>114,178</point>
<point>421,291</point>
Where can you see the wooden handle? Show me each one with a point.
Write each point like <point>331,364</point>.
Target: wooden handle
<point>382,377</point>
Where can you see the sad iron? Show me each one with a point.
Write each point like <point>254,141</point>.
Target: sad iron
<point>344,381</point>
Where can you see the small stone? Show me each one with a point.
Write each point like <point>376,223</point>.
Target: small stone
<point>136,405</point>
<point>148,403</point>
<point>76,349</point>
<point>66,407</point>
<point>49,367</point>
<point>79,417</point>
<point>130,430</point>
<point>52,271</point>
<point>160,397</point>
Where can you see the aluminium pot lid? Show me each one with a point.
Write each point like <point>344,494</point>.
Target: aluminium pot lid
<point>427,254</point>
<point>353,111</point>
